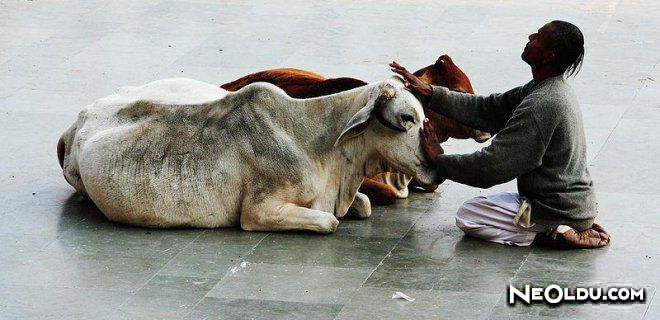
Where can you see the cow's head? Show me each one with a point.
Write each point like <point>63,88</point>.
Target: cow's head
<point>444,72</point>
<point>390,121</point>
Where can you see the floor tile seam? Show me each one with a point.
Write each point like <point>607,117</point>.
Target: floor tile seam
<point>225,274</point>
<point>392,249</point>
<point>59,236</point>
<point>159,270</point>
<point>609,136</point>
<point>380,263</point>
<point>515,274</point>
<point>169,261</point>
<point>650,301</point>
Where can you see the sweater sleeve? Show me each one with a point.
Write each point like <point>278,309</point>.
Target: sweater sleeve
<point>486,113</point>
<point>516,150</point>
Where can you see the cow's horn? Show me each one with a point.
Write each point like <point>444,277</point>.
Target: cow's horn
<point>383,114</point>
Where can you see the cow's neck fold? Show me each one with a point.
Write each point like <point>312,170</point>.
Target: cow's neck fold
<point>347,164</point>
<point>352,171</point>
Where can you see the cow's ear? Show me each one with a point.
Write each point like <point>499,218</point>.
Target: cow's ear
<point>358,123</point>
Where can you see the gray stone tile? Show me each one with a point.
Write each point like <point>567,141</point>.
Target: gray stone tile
<point>447,241</point>
<point>626,167</point>
<point>602,115</point>
<point>64,269</point>
<point>109,239</point>
<point>653,311</point>
<point>22,245</point>
<point>429,304</point>
<point>222,51</point>
<point>624,267</point>
<point>315,250</point>
<point>35,302</point>
<point>620,208</point>
<point>210,265</point>
<point>633,130</point>
<point>214,240</point>
<point>423,261</point>
<point>481,276</point>
<point>167,297</point>
<point>293,283</point>
<point>391,221</point>
<point>212,308</point>
<point>213,253</point>
<point>596,138</point>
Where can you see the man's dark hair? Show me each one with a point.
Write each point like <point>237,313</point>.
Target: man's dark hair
<point>567,43</point>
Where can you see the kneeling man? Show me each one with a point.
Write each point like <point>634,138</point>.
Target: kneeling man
<point>539,140</point>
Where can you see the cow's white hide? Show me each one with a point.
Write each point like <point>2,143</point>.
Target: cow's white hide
<point>180,152</point>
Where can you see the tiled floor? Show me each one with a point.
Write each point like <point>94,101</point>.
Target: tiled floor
<point>60,259</point>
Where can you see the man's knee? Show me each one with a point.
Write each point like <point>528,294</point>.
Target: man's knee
<point>466,216</point>
<point>467,210</point>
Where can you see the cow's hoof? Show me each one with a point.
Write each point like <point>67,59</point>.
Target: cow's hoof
<point>329,225</point>
<point>361,206</point>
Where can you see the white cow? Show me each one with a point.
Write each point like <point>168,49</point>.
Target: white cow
<point>183,153</point>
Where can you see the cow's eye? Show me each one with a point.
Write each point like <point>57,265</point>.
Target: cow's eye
<point>407,118</point>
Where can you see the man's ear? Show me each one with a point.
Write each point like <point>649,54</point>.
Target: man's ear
<point>549,58</point>
<point>358,123</point>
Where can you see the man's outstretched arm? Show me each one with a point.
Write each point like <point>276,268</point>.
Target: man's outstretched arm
<point>487,113</point>
<point>516,150</point>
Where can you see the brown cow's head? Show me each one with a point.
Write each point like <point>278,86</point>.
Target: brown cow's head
<point>445,73</point>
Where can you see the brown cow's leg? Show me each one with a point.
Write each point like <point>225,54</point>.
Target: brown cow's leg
<point>379,193</point>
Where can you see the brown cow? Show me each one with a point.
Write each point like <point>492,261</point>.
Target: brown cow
<point>304,84</point>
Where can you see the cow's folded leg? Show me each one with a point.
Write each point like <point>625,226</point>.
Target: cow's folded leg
<point>361,206</point>
<point>378,192</point>
<point>287,216</point>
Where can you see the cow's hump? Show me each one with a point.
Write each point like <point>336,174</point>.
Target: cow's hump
<point>176,91</point>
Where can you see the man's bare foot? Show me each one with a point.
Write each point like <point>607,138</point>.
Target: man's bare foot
<point>567,237</point>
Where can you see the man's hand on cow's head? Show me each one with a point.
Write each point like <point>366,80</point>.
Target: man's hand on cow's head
<point>420,89</point>
<point>430,142</point>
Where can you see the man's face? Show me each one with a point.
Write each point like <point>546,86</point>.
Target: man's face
<point>537,51</point>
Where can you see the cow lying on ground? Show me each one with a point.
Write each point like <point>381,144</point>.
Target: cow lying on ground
<point>183,153</point>
<point>383,188</point>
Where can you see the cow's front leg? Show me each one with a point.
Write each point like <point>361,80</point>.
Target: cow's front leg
<point>361,206</point>
<point>287,216</point>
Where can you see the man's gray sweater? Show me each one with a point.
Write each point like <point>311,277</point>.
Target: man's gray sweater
<point>539,140</point>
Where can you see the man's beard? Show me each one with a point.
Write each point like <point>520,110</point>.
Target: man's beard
<point>524,57</point>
